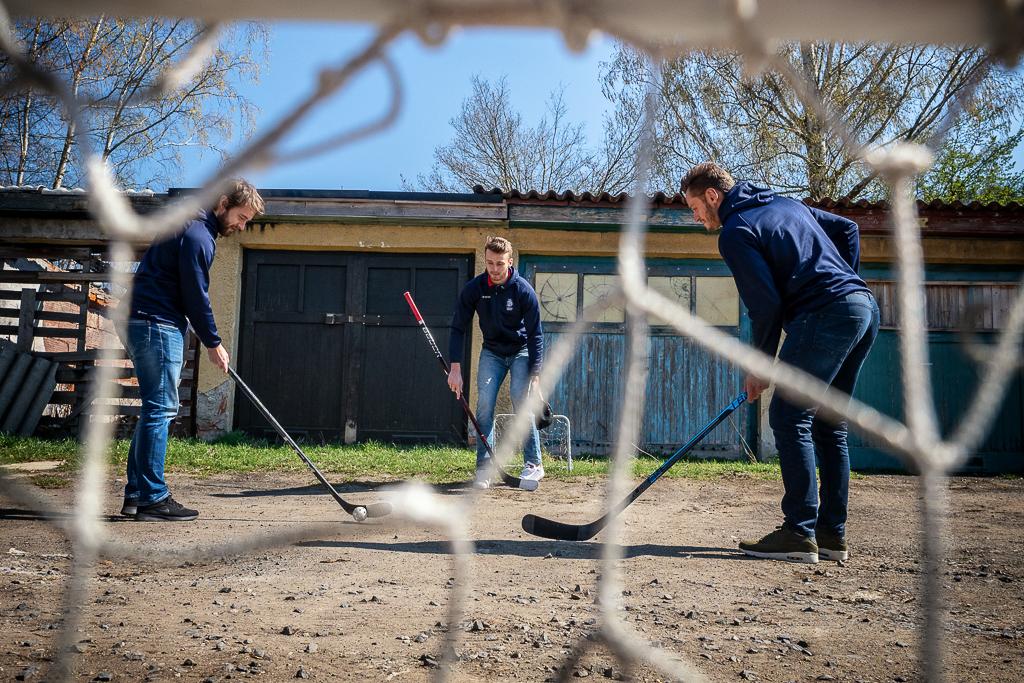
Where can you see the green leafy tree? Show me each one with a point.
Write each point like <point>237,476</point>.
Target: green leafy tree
<point>972,169</point>
<point>761,130</point>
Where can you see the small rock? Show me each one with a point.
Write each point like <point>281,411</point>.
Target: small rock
<point>748,675</point>
<point>302,673</point>
<point>104,676</point>
<point>312,647</point>
<point>428,661</point>
<point>27,673</point>
<point>287,631</point>
<point>225,589</point>
<point>581,672</point>
<point>422,637</point>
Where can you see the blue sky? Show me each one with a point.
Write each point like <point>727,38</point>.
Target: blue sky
<point>435,82</point>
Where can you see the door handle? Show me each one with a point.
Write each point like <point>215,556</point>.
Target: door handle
<point>342,318</point>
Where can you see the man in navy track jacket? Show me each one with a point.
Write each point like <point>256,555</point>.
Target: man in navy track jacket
<point>513,343</point>
<point>171,290</point>
<point>796,270</point>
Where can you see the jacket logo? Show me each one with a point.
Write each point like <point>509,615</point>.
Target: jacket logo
<point>508,305</point>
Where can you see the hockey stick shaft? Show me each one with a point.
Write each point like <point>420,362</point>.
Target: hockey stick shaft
<point>506,477</point>
<point>373,510</point>
<point>446,368</point>
<point>683,450</point>
<point>540,526</point>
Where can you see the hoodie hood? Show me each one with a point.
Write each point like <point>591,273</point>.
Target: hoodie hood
<point>744,195</point>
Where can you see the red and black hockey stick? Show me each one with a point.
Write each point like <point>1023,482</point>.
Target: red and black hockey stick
<point>506,478</point>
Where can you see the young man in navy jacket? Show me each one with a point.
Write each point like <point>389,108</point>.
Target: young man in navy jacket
<point>513,343</point>
<point>796,270</point>
<point>171,290</point>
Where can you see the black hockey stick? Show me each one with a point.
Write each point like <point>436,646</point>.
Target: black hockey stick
<point>359,512</point>
<point>548,528</point>
<point>508,479</point>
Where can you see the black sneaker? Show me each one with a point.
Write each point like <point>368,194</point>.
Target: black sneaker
<point>783,544</point>
<point>167,510</point>
<point>831,547</point>
<point>130,507</point>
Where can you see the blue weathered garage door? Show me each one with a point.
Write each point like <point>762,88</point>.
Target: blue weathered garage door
<point>687,385</point>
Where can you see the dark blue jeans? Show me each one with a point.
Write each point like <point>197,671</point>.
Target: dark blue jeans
<point>157,351</point>
<point>831,344</point>
<point>490,373</point>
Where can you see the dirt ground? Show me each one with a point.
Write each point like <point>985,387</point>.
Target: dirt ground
<point>368,603</point>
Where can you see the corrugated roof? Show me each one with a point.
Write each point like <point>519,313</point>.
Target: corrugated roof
<point>568,196</point>
<point>935,205</point>
<point>42,189</point>
<point>677,201</point>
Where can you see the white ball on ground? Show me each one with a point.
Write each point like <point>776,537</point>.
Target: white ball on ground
<point>359,514</point>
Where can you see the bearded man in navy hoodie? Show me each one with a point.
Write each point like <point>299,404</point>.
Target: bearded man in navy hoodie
<point>513,344</point>
<point>171,290</point>
<point>796,270</point>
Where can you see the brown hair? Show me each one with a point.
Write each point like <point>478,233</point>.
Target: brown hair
<point>704,176</point>
<point>498,245</point>
<point>241,193</point>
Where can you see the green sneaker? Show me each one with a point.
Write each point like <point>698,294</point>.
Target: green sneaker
<point>831,547</point>
<point>783,544</point>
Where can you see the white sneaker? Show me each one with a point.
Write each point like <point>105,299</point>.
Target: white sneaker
<point>481,481</point>
<point>532,472</point>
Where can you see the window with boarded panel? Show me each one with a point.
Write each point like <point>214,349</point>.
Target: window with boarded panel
<point>980,306</point>
<point>688,384</point>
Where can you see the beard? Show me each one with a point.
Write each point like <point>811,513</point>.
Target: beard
<point>222,228</point>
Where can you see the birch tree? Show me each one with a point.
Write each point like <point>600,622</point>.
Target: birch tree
<point>108,62</point>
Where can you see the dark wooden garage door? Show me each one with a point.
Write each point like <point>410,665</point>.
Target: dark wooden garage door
<point>328,344</point>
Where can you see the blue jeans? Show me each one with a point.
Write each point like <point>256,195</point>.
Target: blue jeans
<point>490,373</point>
<point>831,344</point>
<point>157,350</point>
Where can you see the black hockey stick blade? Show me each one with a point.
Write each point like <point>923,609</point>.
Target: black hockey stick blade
<point>372,510</point>
<point>517,483</point>
<point>559,531</point>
